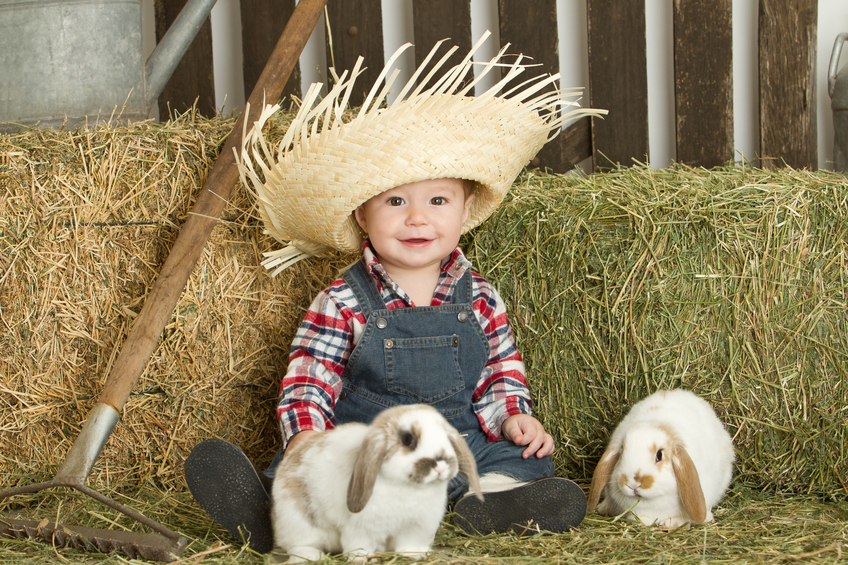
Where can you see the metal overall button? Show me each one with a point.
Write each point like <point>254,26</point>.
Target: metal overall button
<point>462,316</point>
<point>382,323</point>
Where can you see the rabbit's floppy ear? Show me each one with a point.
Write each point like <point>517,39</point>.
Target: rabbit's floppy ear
<point>467,464</point>
<point>365,468</point>
<point>602,474</point>
<point>688,484</point>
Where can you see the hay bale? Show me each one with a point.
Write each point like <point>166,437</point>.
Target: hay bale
<point>730,282</point>
<point>86,220</point>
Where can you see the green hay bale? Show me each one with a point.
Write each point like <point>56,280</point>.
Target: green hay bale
<point>730,282</point>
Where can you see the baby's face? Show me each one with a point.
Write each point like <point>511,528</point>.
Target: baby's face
<point>415,226</point>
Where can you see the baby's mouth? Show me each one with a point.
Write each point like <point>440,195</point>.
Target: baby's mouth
<point>416,241</point>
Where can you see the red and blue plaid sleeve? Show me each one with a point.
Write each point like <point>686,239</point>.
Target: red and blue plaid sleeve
<point>502,390</point>
<point>317,358</point>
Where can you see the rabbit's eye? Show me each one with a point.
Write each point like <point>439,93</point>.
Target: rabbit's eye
<point>407,439</point>
<point>659,455</point>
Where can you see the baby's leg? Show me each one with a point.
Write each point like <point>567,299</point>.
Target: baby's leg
<point>502,458</point>
<point>522,493</point>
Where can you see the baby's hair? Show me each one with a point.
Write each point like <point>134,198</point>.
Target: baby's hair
<point>469,187</point>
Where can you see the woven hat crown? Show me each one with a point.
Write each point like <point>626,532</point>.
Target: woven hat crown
<point>325,167</point>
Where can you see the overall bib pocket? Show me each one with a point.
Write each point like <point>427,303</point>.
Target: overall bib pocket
<point>425,369</point>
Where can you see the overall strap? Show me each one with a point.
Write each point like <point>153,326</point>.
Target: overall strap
<point>385,367</point>
<point>464,288</point>
<point>364,289</point>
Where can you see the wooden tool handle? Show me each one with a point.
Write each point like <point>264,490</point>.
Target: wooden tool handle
<point>163,297</point>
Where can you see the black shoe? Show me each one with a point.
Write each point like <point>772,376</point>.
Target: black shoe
<point>552,505</point>
<point>232,491</point>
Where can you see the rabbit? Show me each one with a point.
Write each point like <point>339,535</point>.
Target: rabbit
<point>669,462</point>
<point>359,489</point>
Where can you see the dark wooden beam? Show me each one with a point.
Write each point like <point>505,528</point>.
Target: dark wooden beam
<point>703,81</point>
<point>356,29</point>
<point>262,23</point>
<point>434,20</point>
<point>787,48</point>
<point>193,78</point>
<point>618,81</point>
<point>531,29</point>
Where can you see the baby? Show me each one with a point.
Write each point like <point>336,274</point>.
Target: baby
<point>410,322</point>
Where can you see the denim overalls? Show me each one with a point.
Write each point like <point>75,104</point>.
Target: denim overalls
<point>432,355</point>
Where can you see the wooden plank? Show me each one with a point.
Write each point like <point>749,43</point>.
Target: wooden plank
<point>576,142</point>
<point>787,47</point>
<point>193,78</point>
<point>262,24</point>
<point>531,29</point>
<point>703,81</point>
<point>434,20</point>
<point>356,29</point>
<point>618,80</point>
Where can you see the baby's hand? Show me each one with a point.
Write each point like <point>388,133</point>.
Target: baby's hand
<point>523,429</point>
<point>299,438</point>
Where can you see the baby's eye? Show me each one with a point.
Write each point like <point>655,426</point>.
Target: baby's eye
<point>437,200</point>
<point>395,201</point>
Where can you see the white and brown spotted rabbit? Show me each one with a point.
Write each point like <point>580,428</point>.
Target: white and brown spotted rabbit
<point>670,459</point>
<point>361,489</point>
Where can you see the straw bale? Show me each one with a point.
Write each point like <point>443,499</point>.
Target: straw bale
<point>731,282</point>
<point>86,221</point>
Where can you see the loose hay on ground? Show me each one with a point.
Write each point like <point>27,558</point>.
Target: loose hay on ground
<point>750,527</point>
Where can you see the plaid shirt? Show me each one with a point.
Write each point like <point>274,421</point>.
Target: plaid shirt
<point>334,324</point>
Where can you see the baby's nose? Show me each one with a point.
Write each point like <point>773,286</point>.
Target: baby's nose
<point>417,215</point>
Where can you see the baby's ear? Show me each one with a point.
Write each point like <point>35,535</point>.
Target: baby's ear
<point>359,216</point>
<point>467,209</point>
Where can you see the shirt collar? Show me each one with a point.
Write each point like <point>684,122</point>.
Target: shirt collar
<point>453,266</point>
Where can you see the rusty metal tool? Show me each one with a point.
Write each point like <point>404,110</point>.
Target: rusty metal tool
<point>166,545</point>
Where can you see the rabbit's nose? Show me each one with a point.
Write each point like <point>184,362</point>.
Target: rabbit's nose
<point>636,483</point>
<point>628,484</point>
<point>644,481</point>
<point>442,468</point>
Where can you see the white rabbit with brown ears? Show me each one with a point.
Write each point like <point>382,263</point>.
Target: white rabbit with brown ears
<point>361,489</point>
<point>670,459</point>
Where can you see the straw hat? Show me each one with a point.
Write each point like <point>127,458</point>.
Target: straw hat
<point>325,168</point>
